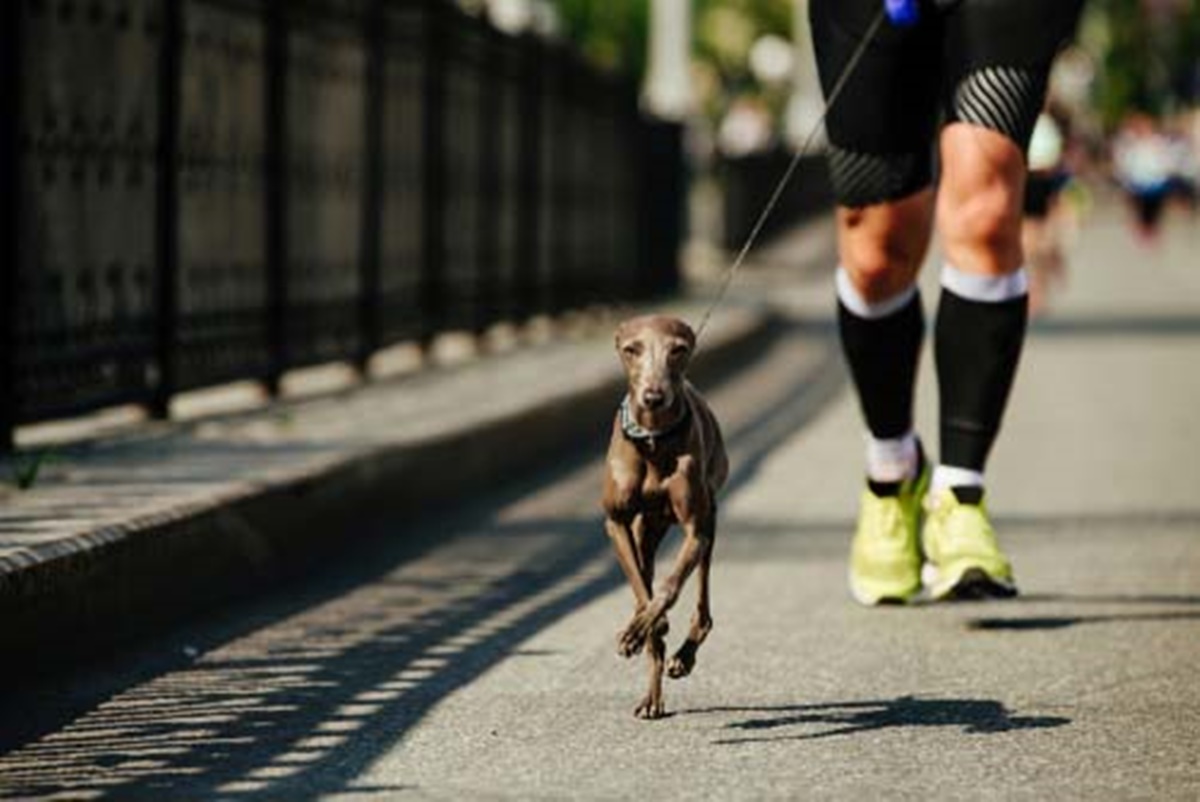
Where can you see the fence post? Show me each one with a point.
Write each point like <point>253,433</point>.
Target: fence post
<point>434,174</point>
<point>275,196</point>
<point>662,193</point>
<point>489,138</point>
<point>529,176</point>
<point>374,167</point>
<point>166,235</point>
<point>556,145</point>
<point>11,59</point>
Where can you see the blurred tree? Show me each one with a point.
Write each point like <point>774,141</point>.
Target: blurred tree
<point>1147,53</point>
<point>726,31</point>
<point>613,33</point>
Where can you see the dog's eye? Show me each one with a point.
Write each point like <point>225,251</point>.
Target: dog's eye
<point>632,350</point>
<point>678,351</point>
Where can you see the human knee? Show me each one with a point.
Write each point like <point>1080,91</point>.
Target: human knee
<point>882,248</point>
<point>985,215</point>
<point>979,206</point>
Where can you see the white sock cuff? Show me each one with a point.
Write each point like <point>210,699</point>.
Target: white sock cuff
<point>947,476</point>
<point>852,299</point>
<point>892,460</point>
<point>986,289</point>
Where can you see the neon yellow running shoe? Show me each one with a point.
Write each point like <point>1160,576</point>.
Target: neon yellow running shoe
<point>885,554</point>
<point>960,544</point>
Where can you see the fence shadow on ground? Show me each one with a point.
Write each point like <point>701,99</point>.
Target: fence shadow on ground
<point>300,705</point>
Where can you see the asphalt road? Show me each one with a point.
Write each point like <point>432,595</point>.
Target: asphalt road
<point>472,655</point>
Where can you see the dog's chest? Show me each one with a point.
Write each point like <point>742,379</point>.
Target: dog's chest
<point>657,481</point>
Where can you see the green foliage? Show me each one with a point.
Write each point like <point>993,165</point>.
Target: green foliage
<point>615,33</point>
<point>611,33</point>
<point>725,32</point>
<point>1147,54</point>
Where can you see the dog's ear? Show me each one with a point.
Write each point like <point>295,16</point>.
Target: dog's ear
<point>690,336</point>
<point>684,332</point>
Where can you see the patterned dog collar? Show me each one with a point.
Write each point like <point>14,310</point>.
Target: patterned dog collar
<point>635,431</point>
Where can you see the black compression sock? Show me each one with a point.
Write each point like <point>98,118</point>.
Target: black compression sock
<point>884,489</point>
<point>882,354</point>
<point>968,494</point>
<point>977,345</point>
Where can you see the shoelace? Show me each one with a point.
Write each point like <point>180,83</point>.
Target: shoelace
<point>887,515</point>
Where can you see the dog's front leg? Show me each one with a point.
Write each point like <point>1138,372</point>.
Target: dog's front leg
<point>684,659</point>
<point>622,540</point>
<point>697,530</point>
<point>652,706</point>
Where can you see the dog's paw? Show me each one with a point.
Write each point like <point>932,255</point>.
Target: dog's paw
<point>646,622</point>
<point>684,660</point>
<point>650,708</point>
<point>628,644</point>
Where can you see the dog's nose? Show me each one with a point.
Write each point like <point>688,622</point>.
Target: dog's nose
<point>653,399</point>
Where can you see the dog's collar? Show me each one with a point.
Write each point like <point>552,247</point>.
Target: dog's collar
<point>635,431</point>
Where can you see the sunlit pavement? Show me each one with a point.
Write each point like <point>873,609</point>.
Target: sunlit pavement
<point>473,656</point>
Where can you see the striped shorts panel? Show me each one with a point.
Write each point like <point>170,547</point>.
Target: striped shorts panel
<point>983,62</point>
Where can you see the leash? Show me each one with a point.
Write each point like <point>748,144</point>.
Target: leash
<point>781,185</point>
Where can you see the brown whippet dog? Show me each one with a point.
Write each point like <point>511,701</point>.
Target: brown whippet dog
<point>666,462</point>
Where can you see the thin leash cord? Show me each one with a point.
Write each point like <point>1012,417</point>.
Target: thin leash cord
<point>788,173</point>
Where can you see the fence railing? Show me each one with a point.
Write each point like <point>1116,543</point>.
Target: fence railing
<point>204,191</point>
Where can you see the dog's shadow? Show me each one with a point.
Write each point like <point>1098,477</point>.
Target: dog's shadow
<point>782,722</point>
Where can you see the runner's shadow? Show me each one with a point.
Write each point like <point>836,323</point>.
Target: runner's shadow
<point>1064,621</point>
<point>1047,622</point>
<point>1108,598</point>
<point>974,716</point>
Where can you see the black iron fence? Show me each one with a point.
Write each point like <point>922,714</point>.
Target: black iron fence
<point>202,191</point>
<point>748,181</point>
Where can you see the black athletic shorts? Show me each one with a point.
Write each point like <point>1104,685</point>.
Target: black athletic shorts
<point>1041,188</point>
<point>984,62</point>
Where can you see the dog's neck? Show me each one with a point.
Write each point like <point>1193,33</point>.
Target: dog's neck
<point>651,425</point>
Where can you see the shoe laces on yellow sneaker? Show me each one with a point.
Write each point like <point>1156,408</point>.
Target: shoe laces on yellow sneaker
<point>883,520</point>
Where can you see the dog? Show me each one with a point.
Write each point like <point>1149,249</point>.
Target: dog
<point>666,463</point>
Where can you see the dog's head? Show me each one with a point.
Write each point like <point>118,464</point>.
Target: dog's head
<point>655,351</point>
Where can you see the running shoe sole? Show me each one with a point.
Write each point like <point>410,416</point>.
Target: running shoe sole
<point>971,583</point>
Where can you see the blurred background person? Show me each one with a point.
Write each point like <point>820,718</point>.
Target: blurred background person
<point>1144,166</point>
<point>1041,224</point>
<point>1185,169</point>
